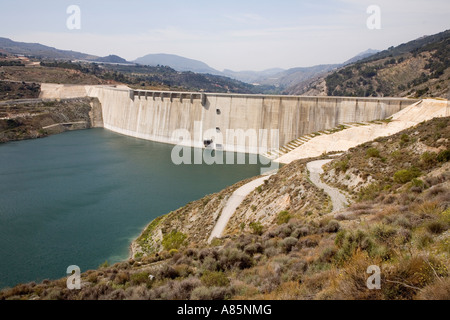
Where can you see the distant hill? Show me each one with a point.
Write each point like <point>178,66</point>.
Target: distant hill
<point>419,68</point>
<point>112,59</point>
<point>41,51</point>
<point>252,76</point>
<point>294,76</point>
<point>363,55</point>
<point>176,62</point>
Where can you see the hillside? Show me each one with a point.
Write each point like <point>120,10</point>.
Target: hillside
<point>420,68</point>
<point>289,245</point>
<point>40,51</point>
<point>176,62</point>
<point>32,119</point>
<point>137,76</point>
<point>112,59</point>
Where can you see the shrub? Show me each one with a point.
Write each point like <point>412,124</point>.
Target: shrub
<point>424,240</point>
<point>342,166</point>
<point>122,278</point>
<point>176,290</point>
<point>417,183</point>
<point>301,232</point>
<point>253,248</point>
<point>428,158</point>
<point>383,232</point>
<point>205,293</point>
<point>257,228</point>
<point>173,240</point>
<point>436,227</point>
<point>370,192</point>
<point>289,243</point>
<point>283,217</point>
<point>373,153</point>
<point>439,290</point>
<point>139,278</point>
<point>234,258</point>
<point>327,255</point>
<point>443,156</point>
<point>332,227</point>
<point>167,272</point>
<point>404,139</point>
<point>404,176</point>
<point>349,242</point>
<point>215,279</point>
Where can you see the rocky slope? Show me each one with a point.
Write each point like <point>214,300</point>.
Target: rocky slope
<point>21,120</point>
<point>420,68</point>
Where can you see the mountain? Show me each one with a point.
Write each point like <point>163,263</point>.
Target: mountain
<point>252,76</point>
<point>294,76</point>
<point>41,51</point>
<point>176,62</point>
<point>419,68</point>
<point>112,59</point>
<point>366,54</point>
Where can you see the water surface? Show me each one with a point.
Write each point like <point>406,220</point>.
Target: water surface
<point>80,198</point>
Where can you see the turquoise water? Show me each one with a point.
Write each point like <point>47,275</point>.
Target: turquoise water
<point>80,198</point>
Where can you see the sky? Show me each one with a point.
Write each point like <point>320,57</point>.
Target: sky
<point>232,34</point>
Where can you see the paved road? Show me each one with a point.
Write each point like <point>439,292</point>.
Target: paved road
<point>338,199</point>
<point>233,203</point>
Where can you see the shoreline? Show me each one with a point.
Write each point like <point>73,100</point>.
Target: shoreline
<point>37,118</point>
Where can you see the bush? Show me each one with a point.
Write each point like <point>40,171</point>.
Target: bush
<point>444,156</point>
<point>373,153</point>
<point>404,176</point>
<point>173,240</point>
<point>257,228</point>
<point>122,278</point>
<point>370,192</point>
<point>383,232</point>
<point>405,139</point>
<point>283,217</point>
<point>439,290</point>
<point>215,279</point>
<point>234,258</point>
<point>139,278</point>
<point>253,248</point>
<point>436,227</point>
<point>205,293</point>
<point>428,158</point>
<point>349,242</point>
<point>332,227</point>
<point>301,232</point>
<point>342,166</point>
<point>176,290</point>
<point>289,243</point>
<point>167,272</point>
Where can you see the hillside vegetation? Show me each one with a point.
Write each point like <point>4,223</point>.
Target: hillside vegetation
<point>420,68</point>
<point>399,221</point>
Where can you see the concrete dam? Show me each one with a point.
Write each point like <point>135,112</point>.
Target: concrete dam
<point>231,122</point>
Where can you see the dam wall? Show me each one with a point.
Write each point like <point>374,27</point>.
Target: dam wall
<point>197,119</point>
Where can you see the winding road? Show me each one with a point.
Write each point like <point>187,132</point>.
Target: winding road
<point>233,203</point>
<point>315,169</point>
<point>338,199</point>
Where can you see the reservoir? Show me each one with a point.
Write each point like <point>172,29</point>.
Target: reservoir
<point>81,197</point>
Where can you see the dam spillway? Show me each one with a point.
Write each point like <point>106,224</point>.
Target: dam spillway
<point>156,115</point>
